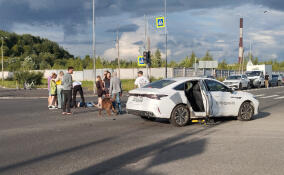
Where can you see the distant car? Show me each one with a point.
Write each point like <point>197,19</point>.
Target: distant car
<point>183,99</point>
<point>237,81</point>
<point>282,76</point>
<point>209,76</point>
<point>276,80</point>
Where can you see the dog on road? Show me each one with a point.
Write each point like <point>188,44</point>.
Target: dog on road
<point>107,105</point>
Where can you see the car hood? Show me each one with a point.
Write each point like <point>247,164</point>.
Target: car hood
<point>242,94</point>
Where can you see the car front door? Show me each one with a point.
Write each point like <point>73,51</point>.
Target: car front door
<point>222,98</point>
<point>198,98</point>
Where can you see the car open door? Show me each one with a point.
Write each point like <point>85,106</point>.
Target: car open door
<point>198,99</point>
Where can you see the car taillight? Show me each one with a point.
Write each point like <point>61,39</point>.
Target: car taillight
<point>155,96</point>
<point>151,96</point>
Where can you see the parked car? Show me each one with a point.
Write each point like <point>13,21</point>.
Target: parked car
<point>282,76</point>
<point>276,80</point>
<point>183,99</point>
<point>256,78</point>
<point>237,81</point>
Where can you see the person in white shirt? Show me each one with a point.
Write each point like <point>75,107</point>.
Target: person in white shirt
<point>141,81</point>
<point>77,87</point>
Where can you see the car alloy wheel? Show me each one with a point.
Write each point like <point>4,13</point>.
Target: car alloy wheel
<point>246,111</point>
<point>180,115</point>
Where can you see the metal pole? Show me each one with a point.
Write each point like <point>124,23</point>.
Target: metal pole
<point>2,62</point>
<point>94,48</point>
<point>195,66</point>
<point>166,33</point>
<point>118,58</point>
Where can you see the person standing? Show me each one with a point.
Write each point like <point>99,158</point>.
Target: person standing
<point>53,92</point>
<point>59,90</point>
<point>48,87</point>
<point>67,91</point>
<point>107,83</point>
<point>100,91</point>
<point>141,81</point>
<point>266,77</point>
<point>116,91</point>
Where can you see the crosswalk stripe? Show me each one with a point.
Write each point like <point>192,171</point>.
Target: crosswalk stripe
<point>260,95</point>
<point>278,98</point>
<point>270,96</point>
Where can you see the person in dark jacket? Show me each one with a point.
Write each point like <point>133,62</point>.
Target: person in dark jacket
<point>100,90</point>
<point>107,83</point>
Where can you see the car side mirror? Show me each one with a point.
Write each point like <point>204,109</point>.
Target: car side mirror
<point>232,90</point>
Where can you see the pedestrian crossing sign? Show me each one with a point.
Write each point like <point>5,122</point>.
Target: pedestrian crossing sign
<point>160,22</point>
<point>141,61</point>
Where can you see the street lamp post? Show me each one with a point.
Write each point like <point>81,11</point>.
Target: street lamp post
<point>2,61</point>
<point>166,35</point>
<point>94,48</point>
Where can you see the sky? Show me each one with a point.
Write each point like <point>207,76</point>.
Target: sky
<point>199,26</point>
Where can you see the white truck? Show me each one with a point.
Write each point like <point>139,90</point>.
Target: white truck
<point>256,73</point>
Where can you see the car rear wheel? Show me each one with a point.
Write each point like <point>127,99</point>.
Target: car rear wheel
<point>180,115</point>
<point>246,112</point>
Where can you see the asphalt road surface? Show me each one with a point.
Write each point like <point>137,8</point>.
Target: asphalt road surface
<point>35,140</point>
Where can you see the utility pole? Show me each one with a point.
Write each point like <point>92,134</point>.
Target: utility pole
<point>2,61</point>
<point>250,52</point>
<point>166,35</point>
<point>118,58</point>
<point>94,48</point>
<point>147,44</point>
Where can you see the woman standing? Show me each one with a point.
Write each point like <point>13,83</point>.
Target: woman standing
<point>53,92</point>
<point>99,85</point>
<point>107,83</point>
<point>59,89</point>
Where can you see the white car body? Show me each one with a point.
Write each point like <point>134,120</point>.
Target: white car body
<point>242,82</point>
<point>216,103</point>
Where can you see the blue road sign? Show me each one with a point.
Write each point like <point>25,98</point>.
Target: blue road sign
<point>141,61</point>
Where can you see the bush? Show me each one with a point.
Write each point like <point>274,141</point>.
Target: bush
<point>27,76</point>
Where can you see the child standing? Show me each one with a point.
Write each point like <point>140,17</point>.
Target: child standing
<point>53,92</point>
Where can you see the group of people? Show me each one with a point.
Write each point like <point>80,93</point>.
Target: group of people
<point>60,90</point>
<point>61,87</point>
<point>109,87</point>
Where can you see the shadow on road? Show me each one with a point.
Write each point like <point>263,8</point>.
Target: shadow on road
<point>162,152</point>
<point>27,162</point>
<point>261,115</point>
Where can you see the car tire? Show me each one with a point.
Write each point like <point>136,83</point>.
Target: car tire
<point>240,86</point>
<point>148,118</point>
<point>180,115</point>
<point>246,112</point>
<point>248,86</point>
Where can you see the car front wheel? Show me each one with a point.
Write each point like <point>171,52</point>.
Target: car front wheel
<point>180,115</point>
<point>246,112</point>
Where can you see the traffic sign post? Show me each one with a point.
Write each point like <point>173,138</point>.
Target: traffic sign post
<point>160,22</point>
<point>141,61</point>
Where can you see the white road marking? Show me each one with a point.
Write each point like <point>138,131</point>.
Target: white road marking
<point>260,95</point>
<point>270,96</point>
<point>278,98</point>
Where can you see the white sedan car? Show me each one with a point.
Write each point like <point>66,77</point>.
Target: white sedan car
<point>237,81</point>
<point>184,99</point>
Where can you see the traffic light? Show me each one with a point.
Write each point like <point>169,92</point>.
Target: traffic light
<point>147,57</point>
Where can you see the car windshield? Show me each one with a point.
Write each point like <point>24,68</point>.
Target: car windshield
<point>274,76</point>
<point>159,84</point>
<point>252,74</point>
<point>234,77</point>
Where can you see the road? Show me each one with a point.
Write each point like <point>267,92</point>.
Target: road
<point>34,140</point>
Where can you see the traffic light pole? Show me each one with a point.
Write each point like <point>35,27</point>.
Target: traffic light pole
<point>166,34</point>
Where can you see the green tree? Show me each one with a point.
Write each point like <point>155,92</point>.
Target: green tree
<point>157,59</point>
<point>207,57</point>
